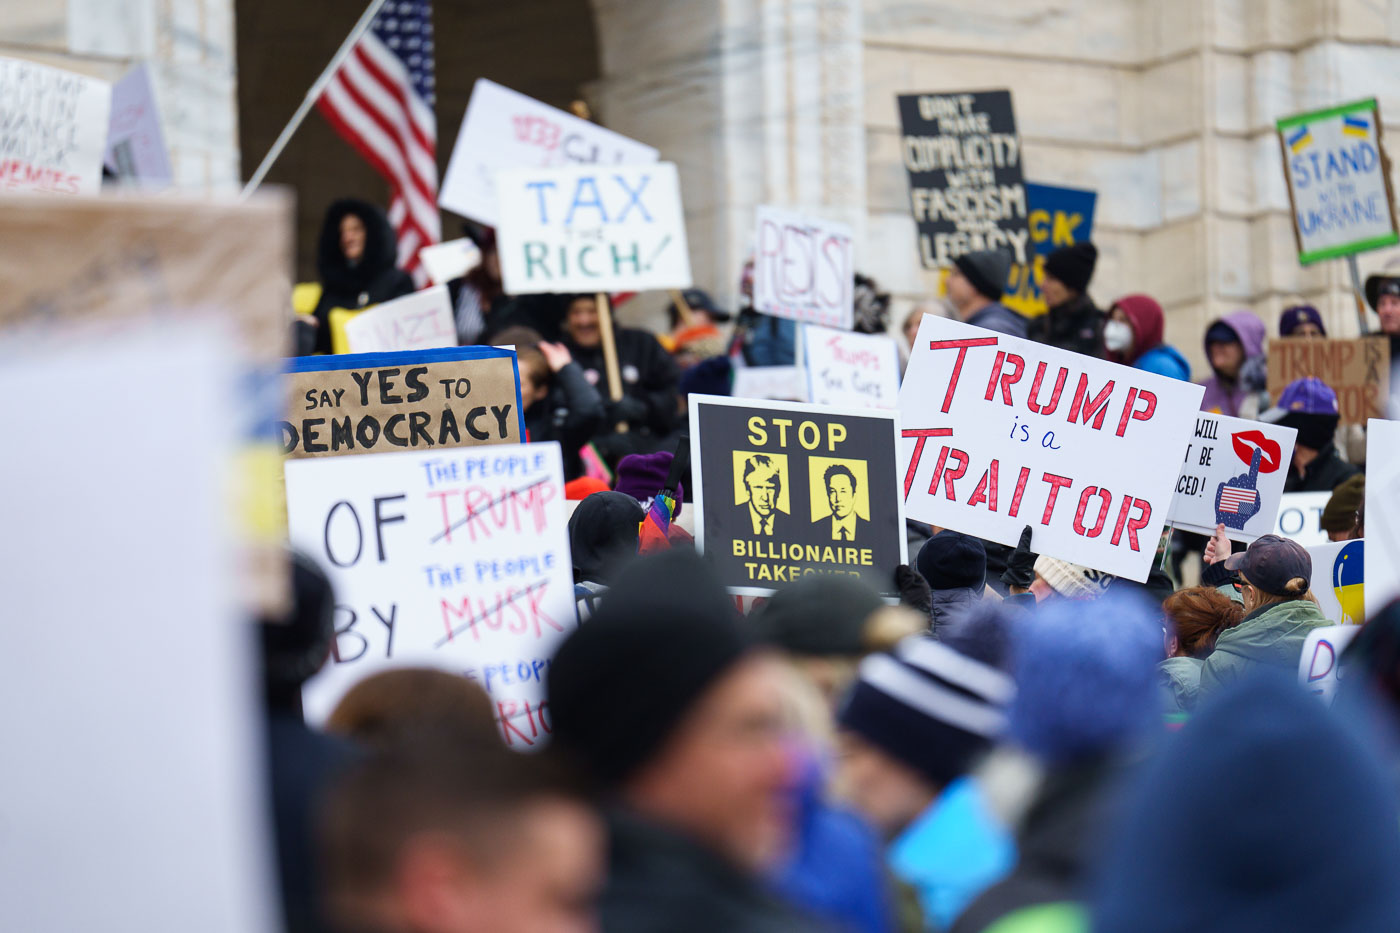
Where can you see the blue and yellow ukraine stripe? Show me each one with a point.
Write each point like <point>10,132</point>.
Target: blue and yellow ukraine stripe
<point>1356,126</point>
<point>1300,140</point>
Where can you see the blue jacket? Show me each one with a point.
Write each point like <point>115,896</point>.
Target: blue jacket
<point>1165,360</point>
<point>952,852</point>
<point>1002,320</point>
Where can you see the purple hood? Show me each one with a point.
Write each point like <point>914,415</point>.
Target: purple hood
<point>1226,397</point>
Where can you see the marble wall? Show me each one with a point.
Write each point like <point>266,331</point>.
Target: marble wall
<point>1165,107</point>
<point>187,43</point>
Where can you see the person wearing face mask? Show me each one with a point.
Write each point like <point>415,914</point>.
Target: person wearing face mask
<point>356,263</point>
<point>1310,407</point>
<point>1132,335</point>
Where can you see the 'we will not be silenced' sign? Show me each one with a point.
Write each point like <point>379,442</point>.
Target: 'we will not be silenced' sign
<point>592,229</point>
<point>999,433</point>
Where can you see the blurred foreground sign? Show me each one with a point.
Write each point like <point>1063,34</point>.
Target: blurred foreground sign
<point>1382,514</point>
<point>592,229</point>
<point>368,403</point>
<point>53,129</point>
<point>456,559</point>
<point>1000,433</point>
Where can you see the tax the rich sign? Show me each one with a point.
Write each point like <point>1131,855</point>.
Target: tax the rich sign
<point>998,433</point>
<point>786,490</point>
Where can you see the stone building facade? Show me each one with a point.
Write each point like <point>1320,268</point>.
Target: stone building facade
<point>1164,107</point>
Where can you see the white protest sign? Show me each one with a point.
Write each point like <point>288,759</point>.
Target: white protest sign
<point>592,229</point>
<point>506,129</point>
<point>454,559</point>
<point>783,383</point>
<point>1338,580</point>
<point>1300,517</point>
<point>1338,182</point>
<point>851,370</point>
<point>135,144</point>
<point>1232,475</point>
<point>1084,451</point>
<point>1382,513</point>
<point>1319,666</point>
<point>53,129</point>
<point>110,737</point>
<point>420,321</point>
<point>450,260</point>
<point>804,268</point>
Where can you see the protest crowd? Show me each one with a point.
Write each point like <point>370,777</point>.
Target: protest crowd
<point>816,613</point>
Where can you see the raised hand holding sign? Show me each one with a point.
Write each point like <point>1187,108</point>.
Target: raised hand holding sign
<point>1237,499</point>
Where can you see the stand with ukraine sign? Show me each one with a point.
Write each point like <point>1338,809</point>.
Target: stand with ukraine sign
<point>1339,186</point>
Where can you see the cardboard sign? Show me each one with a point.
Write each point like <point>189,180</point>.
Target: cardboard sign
<point>1356,368</point>
<point>1085,451</point>
<point>455,559</point>
<point>1300,517</point>
<point>420,321</point>
<point>450,260</point>
<point>53,129</point>
<point>784,383</point>
<point>1233,475</point>
<point>1339,580</point>
<point>851,370</point>
<point>592,230</point>
<point>138,494</point>
<point>135,144</point>
<point>1059,217</point>
<point>109,260</point>
<point>783,491</point>
<point>506,129</point>
<point>965,184</point>
<point>1338,181</point>
<point>381,402</point>
<point>1319,667</point>
<point>1382,514</point>
<point>804,269</point>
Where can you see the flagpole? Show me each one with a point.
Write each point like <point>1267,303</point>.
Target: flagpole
<point>311,96</point>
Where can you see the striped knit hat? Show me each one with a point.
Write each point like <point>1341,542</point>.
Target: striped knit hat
<point>928,705</point>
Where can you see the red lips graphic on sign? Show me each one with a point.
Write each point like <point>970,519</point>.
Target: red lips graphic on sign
<point>1245,442</point>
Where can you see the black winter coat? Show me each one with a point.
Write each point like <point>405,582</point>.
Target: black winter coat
<point>571,414</point>
<point>661,881</point>
<point>1075,325</point>
<point>1326,472</point>
<point>373,279</point>
<point>649,375</point>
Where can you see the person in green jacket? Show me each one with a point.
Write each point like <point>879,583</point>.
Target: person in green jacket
<point>1279,613</point>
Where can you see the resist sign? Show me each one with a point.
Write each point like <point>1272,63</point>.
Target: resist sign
<point>804,269</point>
<point>367,403</point>
<point>999,433</point>
<point>1233,475</point>
<point>454,559</point>
<point>593,229</point>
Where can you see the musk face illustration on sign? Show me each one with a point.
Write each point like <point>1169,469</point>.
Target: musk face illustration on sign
<point>840,498</point>
<point>761,489</point>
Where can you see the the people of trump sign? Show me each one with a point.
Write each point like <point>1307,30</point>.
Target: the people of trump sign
<point>998,433</point>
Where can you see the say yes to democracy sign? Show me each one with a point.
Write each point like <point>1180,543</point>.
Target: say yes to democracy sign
<point>592,229</point>
<point>1338,183</point>
<point>998,433</point>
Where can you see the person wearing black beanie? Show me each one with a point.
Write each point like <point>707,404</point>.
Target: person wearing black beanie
<point>1071,322</point>
<point>955,566</point>
<point>664,701</point>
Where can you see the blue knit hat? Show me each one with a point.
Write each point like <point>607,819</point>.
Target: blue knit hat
<point>932,707</point>
<point>1086,675</point>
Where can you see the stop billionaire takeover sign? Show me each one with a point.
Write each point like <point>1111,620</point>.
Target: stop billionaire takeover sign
<point>998,433</point>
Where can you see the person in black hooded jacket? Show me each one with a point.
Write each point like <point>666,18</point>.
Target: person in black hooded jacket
<point>356,260</point>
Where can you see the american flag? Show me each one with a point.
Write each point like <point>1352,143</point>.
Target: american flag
<point>1231,498</point>
<point>380,100</point>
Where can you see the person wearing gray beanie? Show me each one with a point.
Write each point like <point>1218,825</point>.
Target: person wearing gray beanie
<point>975,284</point>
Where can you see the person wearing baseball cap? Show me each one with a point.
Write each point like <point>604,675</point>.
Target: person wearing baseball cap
<point>1309,406</point>
<point>975,286</point>
<point>1274,574</point>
